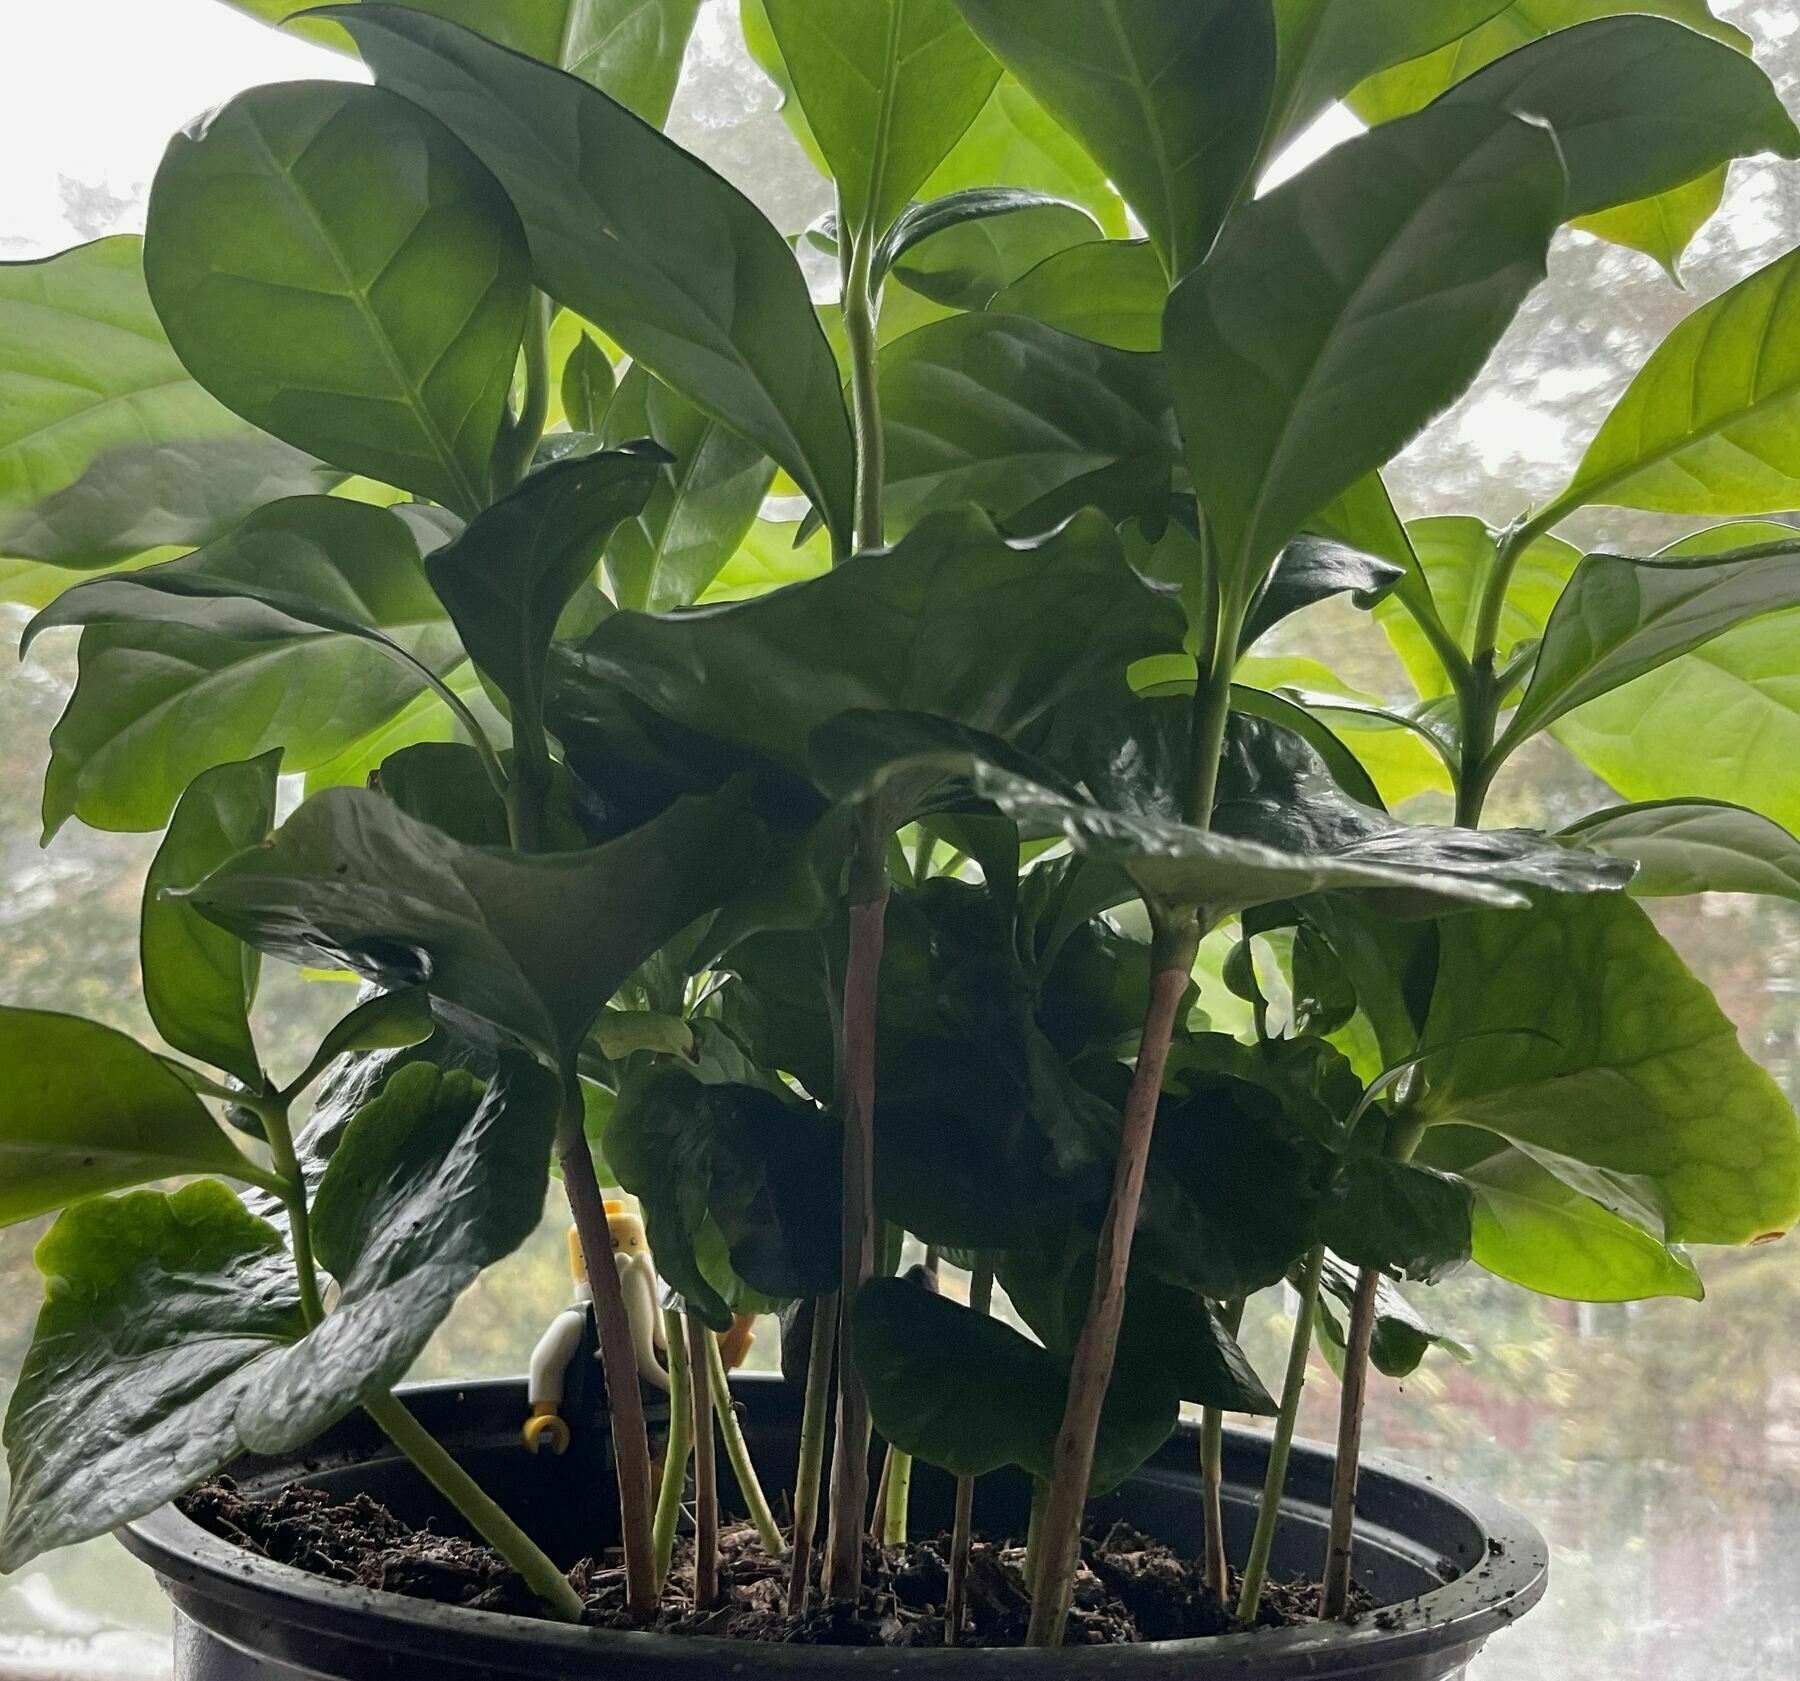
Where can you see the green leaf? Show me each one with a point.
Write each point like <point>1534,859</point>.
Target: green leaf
<point>1111,291</point>
<point>1665,226</point>
<point>705,500</point>
<point>426,719</point>
<point>1328,47</point>
<point>385,344</point>
<point>388,1021</point>
<point>1534,1230</point>
<point>1614,1056</point>
<point>1458,555</point>
<point>955,621</point>
<point>199,981</point>
<point>888,87</point>
<point>156,1312</point>
<point>1620,618</point>
<point>283,633</point>
<point>1639,105</point>
<point>1347,308</point>
<point>1695,846</point>
<point>430,1183</point>
<point>1314,569</point>
<point>1402,1338</point>
<point>961,250</point>
<point>1169,96</point>
<point>588,384</point>
<point>631,49</point>
<point>628,230</point>
<point>533,946</point>
<point>1026,422</point>
<point>507,579</point>
<point>968,1393</point>
<point>768,558</point>
<point>85,1109</point>
<point>1707,425</point>
<point>1400,1218</point>
<point>107,448</point>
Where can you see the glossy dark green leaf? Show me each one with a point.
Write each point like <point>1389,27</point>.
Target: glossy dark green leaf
<point>705,500</point>
<point>85,1109</point>
<point>297,630</point>
<point>955,621</point>
<point>967,1392</point>
<point>1695,846</point>
<point>1344,766</point>
<point>386,344</point>
<point>1399,1218</point>
<point>1612,1056</point>
<point>643,240</point>
<point>1344,310</point>
<point>1169,96</point>
<point>1402,1337</point>
<point>1111,291</point>
<point>107,448</point>
<point>507,579</point>
<point>430,1183</point>
<point>961,250</point>
<point>1012,415</point>
<point>533,946</point>
<point>157,1310</point>
<point>1314,569</point>
<point>887,87</point>
<point>631,49</point>
<point>1324,996</point>
<point>199,981</point>
<point>1620,618</point>
<point>587,386</point>
<point>1639,105</point>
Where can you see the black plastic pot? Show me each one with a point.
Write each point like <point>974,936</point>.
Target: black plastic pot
<point>1453,1569</point>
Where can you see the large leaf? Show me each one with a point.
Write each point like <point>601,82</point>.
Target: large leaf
<point>701,508</point>
<point>1169,96</point>
<point>1707,427</point>
<point>888,87</point>
<point>1112,291</point>
<point>954,621</point>
<point>84,1109</point>
<point>199,981</point>
<point>383,343</point>
<point>1574,1028</point>
<point>1347,308</point>
<point>1458,555</point>
<point>631,49</point>
<point>532,946</point>
<point>507,579</point>
<point>1012,415</point>
<point>107,448</point>
<point>628,230</point>
<point>1621,618</point>
<point>282,634</point>
<point>156,1312</point>
<point>1639,105</point>
<point>1695,846</point>
<point>430,1183</point>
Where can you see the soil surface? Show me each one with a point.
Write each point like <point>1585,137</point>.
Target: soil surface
<point>1129,1589</point>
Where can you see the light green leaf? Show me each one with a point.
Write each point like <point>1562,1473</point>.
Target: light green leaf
<point>107,448</point>
<point>704,502</point>
<point>628,230</point>
<point>961,250</point>
<point>1347,308</point>
<point>888,87</point>
<point>386,1022</point>
<point>587,386</point>
<point>383,343</point>
<point>1169,96</point>
<point>1665,226</point>
<point>85,1109</point>
<point>767,559</point>
<point>199,981</point>
<point>1695,846</point>
<point>1575,1028</point>
<point>157,1310</point>
<point>1012,415</point>
<point>426,719</point>
<point>1110,291</point>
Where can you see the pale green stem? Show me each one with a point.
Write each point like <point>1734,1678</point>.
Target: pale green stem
<point>737,1450</point>
<point>899,1497</point>
<point>522,433</point>
<point>706,1478</point>
<point>681,1446</point>
<point>810,1472</point>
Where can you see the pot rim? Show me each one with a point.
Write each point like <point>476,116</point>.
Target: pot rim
<point>1491,1594</point>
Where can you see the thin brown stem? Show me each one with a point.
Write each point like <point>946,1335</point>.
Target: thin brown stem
<point>618,1359</point>
<point>706,1473</point>
<point>1059,1546</point>
<point>1214,1570</point>
<point>1334,1598</point>
<point>809,1474</point>
<point>962,1532</point>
